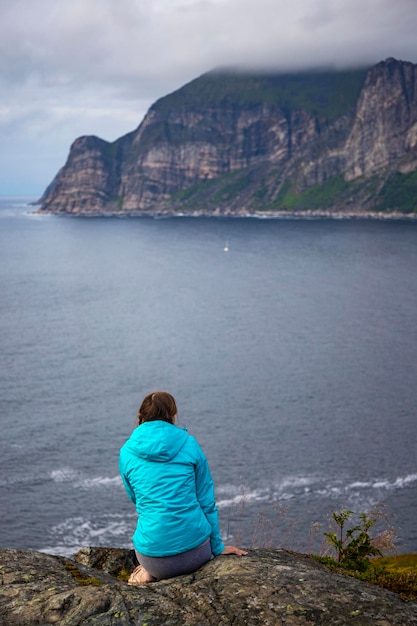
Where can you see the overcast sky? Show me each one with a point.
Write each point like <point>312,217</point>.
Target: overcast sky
<point>84,67</point>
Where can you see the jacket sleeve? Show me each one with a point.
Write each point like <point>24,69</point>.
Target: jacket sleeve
<point>125,481</point>
<point>206,499</point>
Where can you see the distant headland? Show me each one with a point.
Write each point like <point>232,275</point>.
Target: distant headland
<point>308,144</point>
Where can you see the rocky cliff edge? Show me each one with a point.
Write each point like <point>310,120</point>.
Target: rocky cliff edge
<point>266,587</point>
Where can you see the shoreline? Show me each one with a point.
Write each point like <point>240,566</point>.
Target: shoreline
<point>301,215</point>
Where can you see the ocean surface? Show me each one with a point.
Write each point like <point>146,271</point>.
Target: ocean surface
<point>292,356</point>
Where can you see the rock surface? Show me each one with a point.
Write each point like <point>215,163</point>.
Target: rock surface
<point>235,144</point>
<point>267,587</point>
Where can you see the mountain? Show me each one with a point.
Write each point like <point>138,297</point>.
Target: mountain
<point>237,143</point>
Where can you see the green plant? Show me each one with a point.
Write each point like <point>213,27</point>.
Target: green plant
<point>353,546</point>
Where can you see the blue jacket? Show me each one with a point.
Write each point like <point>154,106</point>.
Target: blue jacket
<point>167,476</point>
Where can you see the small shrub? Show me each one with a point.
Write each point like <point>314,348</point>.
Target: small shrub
<point>353,547</point>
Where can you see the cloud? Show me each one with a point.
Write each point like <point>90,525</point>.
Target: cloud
<point>95,66</point>
<point>140,44</point>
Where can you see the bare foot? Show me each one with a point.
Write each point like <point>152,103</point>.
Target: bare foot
<point>140,576</point>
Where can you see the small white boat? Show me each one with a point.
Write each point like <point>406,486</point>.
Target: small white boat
<point>226,247</point>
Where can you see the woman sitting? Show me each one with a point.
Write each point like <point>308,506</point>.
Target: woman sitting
<point>167,477</point>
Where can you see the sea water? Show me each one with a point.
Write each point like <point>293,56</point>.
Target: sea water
<point>292,356</point>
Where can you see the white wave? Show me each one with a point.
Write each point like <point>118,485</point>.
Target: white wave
<point>381,484</point>
<point>282,489</point>
<point>229,489</point>
<point>244,498</point>
<point>402,482</point>
<point>73,533</point>
<point>101,481</point>
<point>76,532</point>
<point>294,482</point>
<point>360,485</point>
<point>398,483</point>
<point>64,475</point>
<point>79,480</point>
<point>291,487</point>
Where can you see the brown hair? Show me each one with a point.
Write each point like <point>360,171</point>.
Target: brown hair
<point>159,405</point>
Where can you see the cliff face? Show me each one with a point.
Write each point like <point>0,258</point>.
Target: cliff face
<point>90,178</point>
<point>230,143</point>
<point>265,587</point>
<point>384,132</point>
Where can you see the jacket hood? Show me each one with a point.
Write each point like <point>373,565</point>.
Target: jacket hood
<point>157,441</point>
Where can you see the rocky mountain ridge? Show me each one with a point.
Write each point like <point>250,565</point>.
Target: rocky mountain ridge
<point>237,144</point>
<point>264,587</point>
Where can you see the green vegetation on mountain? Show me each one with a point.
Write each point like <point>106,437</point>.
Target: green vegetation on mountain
<point>317,197</point>
<point>399,193</point>
<point>328,94</point>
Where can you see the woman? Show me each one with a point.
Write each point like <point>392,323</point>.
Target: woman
<point>167,477</point>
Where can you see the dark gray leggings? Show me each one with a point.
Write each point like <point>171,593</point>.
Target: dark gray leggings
<point>177,564</point>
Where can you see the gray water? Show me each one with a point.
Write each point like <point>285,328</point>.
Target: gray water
<point>293,359</point>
